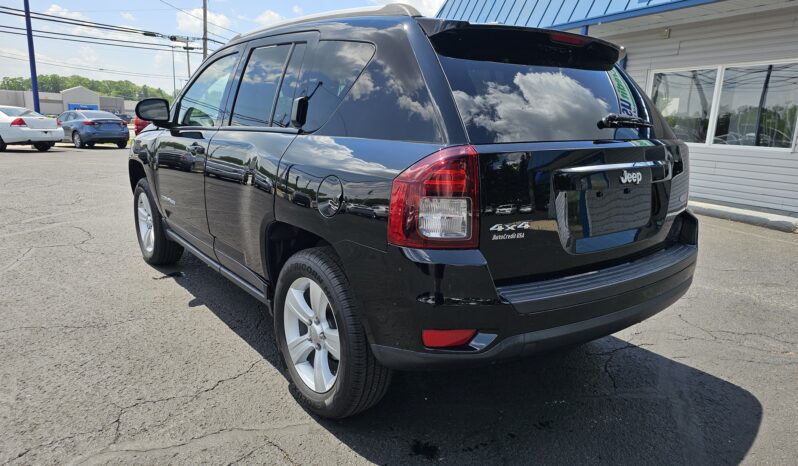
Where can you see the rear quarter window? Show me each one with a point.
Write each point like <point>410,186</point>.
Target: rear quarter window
<point>375,97</point>
<point>336,66</point>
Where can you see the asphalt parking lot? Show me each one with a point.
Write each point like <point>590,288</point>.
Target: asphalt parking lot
<point>106,360</point>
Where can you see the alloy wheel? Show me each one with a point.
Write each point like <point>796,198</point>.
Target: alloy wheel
<point>146,230</point>
<point>311,335</point>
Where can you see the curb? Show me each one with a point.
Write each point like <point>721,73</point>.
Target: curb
<point>754,217</point>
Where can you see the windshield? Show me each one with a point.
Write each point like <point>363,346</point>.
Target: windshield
<point>506,102</point>
<point>18,112</point>
<point>92,115</point>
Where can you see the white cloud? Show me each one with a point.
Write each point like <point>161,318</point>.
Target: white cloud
<point>192,22</point>
<point>268,17</point>
<point>128,16</point>
<point>58,10</point>
<point>296,9</point>
<point>534,109</point>
<point>426,7</point>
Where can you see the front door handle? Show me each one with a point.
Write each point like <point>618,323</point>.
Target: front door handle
<point>196,149</point>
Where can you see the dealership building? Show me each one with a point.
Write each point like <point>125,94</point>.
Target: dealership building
<point>75,98</point>
<point>723,72</point>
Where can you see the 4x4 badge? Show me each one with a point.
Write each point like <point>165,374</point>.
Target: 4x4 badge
<point>631,177</point>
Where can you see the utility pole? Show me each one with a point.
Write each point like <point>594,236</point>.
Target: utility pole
<point>204,29</point>
<point>188,59</point>
<point>186,40</point>
<point>34,80</point>
<point>174,77</point>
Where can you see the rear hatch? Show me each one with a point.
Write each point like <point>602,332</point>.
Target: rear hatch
<point>559,193</point>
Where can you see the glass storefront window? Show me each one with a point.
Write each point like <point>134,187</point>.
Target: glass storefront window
<point>685,100</point>
<point>758,106</point>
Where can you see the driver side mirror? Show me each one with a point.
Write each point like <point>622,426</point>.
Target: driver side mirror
<point>155,110</point>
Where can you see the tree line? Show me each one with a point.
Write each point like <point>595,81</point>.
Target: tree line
<point>57,83</point>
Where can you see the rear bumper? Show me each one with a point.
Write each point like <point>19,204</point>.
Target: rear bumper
<point>29,136</point>
<point>539,341</point>
<point>106,138</point>
<point>454,290</point>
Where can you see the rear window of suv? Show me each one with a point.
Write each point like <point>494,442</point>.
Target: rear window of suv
<point>506,102</point>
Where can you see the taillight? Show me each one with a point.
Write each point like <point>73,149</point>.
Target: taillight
<point>19,122</point>
<point>447,338</point>
<point>88,123</point>
<point>58,123</point>
<point>435,202</point>
<point>569,39</point>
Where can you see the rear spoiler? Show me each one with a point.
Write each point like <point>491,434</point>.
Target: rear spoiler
<point>519,45</point>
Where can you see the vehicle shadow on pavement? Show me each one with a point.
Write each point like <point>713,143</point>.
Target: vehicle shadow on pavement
<point>607,401</point>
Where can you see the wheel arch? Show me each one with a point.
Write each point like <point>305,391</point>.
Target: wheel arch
<point>282,240</point>
<point>135,172</point>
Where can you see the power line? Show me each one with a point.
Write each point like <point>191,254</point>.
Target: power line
<point>86,68</point>
<point>99,43</point>
<point>88,24</point>
<point>87,37</point>
<point>197,17</point>
<point>71,21</point>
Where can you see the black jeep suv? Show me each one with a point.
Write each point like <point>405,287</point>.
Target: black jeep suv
<point>414,193</point>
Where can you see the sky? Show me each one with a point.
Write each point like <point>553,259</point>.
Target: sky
<point>154,68</point>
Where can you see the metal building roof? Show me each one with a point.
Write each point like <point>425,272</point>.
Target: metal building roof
<point>558,14</point>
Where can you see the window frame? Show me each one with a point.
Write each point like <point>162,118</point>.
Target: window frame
<point>715,107</point>
<point>221,54</point>
<point>309,37</point>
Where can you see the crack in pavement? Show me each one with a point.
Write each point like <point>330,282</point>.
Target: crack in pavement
<point>189,398</point>
<point>200,439</point>
<point>16,262</point>
<point>712,333</point>
<point>75,327</point>
<point>54,442</point>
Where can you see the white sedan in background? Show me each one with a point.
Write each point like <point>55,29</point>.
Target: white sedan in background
<point>20,126</point>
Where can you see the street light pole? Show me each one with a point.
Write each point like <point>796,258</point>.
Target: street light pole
<point>34,80</point>
<point>204,29</point>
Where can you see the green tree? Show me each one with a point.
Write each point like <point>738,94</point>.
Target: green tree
<point>57,83</point>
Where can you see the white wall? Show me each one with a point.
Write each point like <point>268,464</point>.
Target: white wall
<point>760,177</point>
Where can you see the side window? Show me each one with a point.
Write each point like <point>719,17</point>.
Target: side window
<point>253,105</point>
<point>202,103</point>
<point>336,66</point>
<point>282,111</point>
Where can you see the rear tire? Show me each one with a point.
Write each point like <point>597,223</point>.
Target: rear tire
<point>42,146</point>
<point>77,141</point>
<point>156,247</point>
<point>2,145</point>
<point>359,381</point>
<point>121,145</point>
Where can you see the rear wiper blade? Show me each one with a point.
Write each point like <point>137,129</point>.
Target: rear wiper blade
<point>620,121</point>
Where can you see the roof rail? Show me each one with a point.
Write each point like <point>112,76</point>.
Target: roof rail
<point>391,9</point>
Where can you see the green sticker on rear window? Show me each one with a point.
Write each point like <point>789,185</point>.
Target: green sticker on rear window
<point>625,98</point>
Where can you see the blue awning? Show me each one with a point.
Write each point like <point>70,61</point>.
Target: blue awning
<point>557,14</point>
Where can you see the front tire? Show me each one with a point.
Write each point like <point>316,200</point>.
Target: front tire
<point>42,146</point>
<point>121,144</point>
<point>77,141</point>
<point>156,247</point>
<point>321,338</point>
